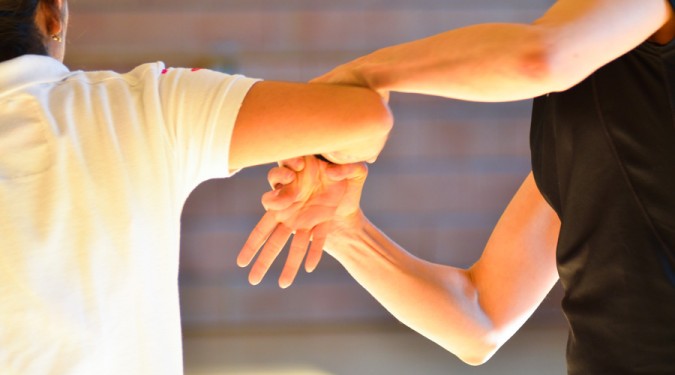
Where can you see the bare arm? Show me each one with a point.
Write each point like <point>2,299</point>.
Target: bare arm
<point>280,121</point>
<point>503,62</point>
<point>471,313</point>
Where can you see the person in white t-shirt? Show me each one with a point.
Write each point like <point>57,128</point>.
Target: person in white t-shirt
<point>94,170</point>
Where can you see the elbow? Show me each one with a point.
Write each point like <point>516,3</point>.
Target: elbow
<point>482,335</point>
<point>548,65</point>
<point>477,358</point>
<point>537,65</point>
<point>474,341</point>
<point>482,349</point>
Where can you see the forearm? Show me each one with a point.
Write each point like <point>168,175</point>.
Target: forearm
<point>437,301</point>
<point>280,120</point>
<point>504,62</point>
<point>489,62</point>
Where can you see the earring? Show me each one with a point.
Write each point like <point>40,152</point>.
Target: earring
<point>57,38</point>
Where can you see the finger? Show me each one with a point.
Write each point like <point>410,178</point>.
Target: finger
<point>295,164</point>
<point>354,171</point>
<point>280,199</point>
<point>280,176</point>
<point>354,189</point>
<point>319,235</point>
<point>307,180</point>
<point>299,189</point>
<point>275,243</point>
<point>256,239</point>
<point>295,256</point>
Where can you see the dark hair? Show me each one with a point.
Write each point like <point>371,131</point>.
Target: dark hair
<point>19,34</point>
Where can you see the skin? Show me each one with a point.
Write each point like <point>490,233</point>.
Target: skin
<point>281,120</point>
<point>506,62</point>
<point>53,24</point>
<point>468,312</point>
<point>471,312</point>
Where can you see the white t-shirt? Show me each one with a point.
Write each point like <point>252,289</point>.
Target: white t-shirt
<point>94,170</point>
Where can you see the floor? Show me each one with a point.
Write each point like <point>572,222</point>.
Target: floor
<point>392,350</point>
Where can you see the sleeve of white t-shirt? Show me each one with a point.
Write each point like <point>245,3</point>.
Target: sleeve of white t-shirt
<point>199,109</point>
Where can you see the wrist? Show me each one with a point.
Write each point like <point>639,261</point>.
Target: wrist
<point>347,230</point>
<point>372,74</point>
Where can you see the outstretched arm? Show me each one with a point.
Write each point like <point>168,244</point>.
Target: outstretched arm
<point>471,313</point>
<point>279,121</point>
<point>504,62</point>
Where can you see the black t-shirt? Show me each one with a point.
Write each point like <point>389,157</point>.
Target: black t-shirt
<point>603,156</point>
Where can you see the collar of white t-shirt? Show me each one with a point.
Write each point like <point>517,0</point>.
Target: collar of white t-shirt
<point>28,70</point>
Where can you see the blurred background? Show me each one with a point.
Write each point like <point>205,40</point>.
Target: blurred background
<point>439,187</point>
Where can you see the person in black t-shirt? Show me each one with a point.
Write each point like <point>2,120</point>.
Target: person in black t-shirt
<point>598,211</point>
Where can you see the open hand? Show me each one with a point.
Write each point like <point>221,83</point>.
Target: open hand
<point>309,198</point>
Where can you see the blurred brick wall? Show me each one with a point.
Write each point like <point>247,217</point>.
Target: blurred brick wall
<point>438,189</point>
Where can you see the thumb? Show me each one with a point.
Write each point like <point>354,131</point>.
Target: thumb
<point>295,164</point>
<point>354,171</point>
<point>280,176</point>
<point>280,199</point>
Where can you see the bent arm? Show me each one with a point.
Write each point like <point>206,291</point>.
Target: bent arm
<point>504,62</point>
<point>279,121</point>
<point>471,313</point>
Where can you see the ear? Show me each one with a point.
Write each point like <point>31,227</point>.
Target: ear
<point>50,17</point>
